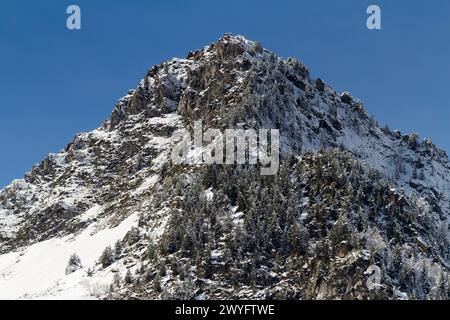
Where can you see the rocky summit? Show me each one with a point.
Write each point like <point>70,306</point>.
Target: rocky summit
<point>356,211</point>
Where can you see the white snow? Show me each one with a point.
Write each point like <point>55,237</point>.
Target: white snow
<point>147,184</point>
<point>209,194</point>
<point>92,213</point>
<point>38,272</point>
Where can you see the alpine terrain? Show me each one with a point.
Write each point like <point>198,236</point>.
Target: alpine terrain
<point>356,211</point>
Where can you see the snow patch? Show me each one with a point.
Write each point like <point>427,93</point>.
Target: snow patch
<point>38,272</point>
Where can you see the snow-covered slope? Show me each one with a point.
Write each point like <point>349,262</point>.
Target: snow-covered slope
<point>108,176</point>
<point>38,271</point>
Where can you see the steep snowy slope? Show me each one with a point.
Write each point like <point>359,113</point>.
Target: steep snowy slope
<point>120,171</point>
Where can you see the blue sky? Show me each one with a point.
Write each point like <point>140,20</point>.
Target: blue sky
<point>55,83</point>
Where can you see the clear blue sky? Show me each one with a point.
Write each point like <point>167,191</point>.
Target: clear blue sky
<point>55,83</point>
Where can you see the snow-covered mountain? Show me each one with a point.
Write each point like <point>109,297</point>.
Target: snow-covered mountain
<point>349,195</point>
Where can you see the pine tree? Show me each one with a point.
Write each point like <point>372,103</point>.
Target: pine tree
<point>74,264</point>
<point>297,239</point>
<point>157,283</point>
<point>74,260</point>
<point>132,236</point>
<point>186,243</point>
<point>242,203</point>
<point>151,251</point>
<point>162,269</point>
<point>339,232</point>
<point>116,280</point>
<point>175,267</point>
<point>128,277</point>
<point>397,262</point>
<point>443,287</point>
<point>90,272</point>
<point>141,222</point>
<point>425,281</point>
<point>118,249</point>
<point>107,257</point>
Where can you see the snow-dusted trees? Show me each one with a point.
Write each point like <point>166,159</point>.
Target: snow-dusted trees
<point>424,282</point>
<point>151,251</point>
<point>297,239</point>
<point>74,264</point>
<point>132,236</point>
<point>157,284</point>
<point>118,247</point>
<point>107,258</point>
<point>399,166</point>
<point>128,277</point>
<point>232,226</point>
<point>443,287</point>
<point>340,231</point>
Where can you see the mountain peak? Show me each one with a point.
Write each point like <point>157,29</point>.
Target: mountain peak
<point>348,192</point>
<point>229,45</point>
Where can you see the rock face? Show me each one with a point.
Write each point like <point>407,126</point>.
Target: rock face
<point>349,194</point>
